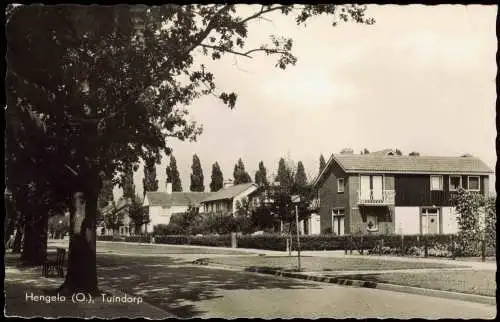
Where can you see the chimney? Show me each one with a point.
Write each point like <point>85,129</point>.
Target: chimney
<point>169,188</point>
<point>228,183</point>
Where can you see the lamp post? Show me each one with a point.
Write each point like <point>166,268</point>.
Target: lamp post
<point>296,200</point>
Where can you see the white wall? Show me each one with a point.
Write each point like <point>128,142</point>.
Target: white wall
<point>407,220</point>
<point>162,215</point>
<point>314,225</point>
<point>450,224</point>
<point>158,215</point>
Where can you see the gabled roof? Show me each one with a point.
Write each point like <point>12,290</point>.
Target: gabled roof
<point>369,163</point>
<point>112,208</point>
<point>175,198</point>
<point>229,192</point>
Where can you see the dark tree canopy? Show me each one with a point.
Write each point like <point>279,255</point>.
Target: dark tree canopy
<point>414,154</point>
<point>128,185</point>
<point>300,175</point>
<point>240,175</point>
<point>149,182</point>
<point>217,182</point>
<point>106,195</point>
<point>398,152</point>
<point>173,176</point>
<point>261,175</point>
<point>196,176</point>
<point>92,90</point>
<point>285,175</point>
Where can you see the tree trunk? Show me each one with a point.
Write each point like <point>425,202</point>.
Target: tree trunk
<point>35,241</point>
<point>82,271</point>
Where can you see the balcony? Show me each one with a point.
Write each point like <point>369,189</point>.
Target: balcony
<point>376,198</point>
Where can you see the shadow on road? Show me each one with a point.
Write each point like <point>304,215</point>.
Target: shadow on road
<point>176,289</point>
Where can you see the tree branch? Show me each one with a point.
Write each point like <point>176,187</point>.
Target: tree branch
<point>262,11</point>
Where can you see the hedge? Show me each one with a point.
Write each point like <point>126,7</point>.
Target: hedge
<point>130,239</point>
<point>210,240</point>
<point>413,245</point>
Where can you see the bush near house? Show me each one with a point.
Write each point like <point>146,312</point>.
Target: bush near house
<point>130,239</point>
<point>209,240</point>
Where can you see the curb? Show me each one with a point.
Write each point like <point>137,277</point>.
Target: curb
<point>382,286</point>
<point>489,300</point>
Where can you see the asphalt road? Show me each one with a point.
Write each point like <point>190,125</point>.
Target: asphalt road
<point>169,282</point>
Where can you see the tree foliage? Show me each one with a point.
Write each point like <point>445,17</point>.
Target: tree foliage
<point>217,182</point>
<point>137,213</point>
<point>173,176</point>
<point>240,175</point>
<point>261,175</point>
<point>92,90</point>
<point>414,154</point>
<point>300,175</point>
<point>128,185</point>
<point>197,176</point>
<point>149,182</point>
<point>476,215</point>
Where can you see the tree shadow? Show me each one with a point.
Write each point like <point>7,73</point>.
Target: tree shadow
<point>177,289</point>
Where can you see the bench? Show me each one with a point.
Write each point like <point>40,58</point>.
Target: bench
<point>56,265</point>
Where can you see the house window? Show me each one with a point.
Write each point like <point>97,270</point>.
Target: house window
<point>340,185</point>
<point>372,223</point>
<point>338,216</point>
<point>473,183</point>
<point>455,183</point>
<point>436,183</point>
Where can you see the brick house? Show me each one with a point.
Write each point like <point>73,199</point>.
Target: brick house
<point>382,193</point>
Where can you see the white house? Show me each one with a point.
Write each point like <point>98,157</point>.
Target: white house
<point>226,199</point>
<point>162,205</point>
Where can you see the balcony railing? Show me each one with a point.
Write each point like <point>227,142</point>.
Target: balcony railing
<point>373,198</point>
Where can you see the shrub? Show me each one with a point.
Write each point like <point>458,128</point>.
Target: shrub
<point>170,229</point>
<point>139,238</point>
<point>171,239</point>
<point>105,238</point>
<point>320,242</point>
<point>268,242</point>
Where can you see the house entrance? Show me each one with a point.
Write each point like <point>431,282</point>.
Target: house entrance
<point>429,221</point>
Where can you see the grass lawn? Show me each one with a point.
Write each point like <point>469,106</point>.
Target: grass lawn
<point>478,282</point>
<point>316,264</point>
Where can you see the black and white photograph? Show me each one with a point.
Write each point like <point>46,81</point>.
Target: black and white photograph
<point>250,161</point>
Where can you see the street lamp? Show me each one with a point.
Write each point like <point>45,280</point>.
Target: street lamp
<point>296,201</point>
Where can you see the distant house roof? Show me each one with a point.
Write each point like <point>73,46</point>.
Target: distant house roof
<point>112,208</point>
<point>175,198</point>
<point>229,192</point>
<point>407,164</point>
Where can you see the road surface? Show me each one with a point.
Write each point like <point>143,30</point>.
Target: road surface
<point>169,282</point>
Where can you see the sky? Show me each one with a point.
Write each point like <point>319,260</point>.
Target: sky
<point>422,78</point>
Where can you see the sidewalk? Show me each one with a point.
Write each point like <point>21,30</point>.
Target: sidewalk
<point>28,294</point>
<point>472,264</point>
